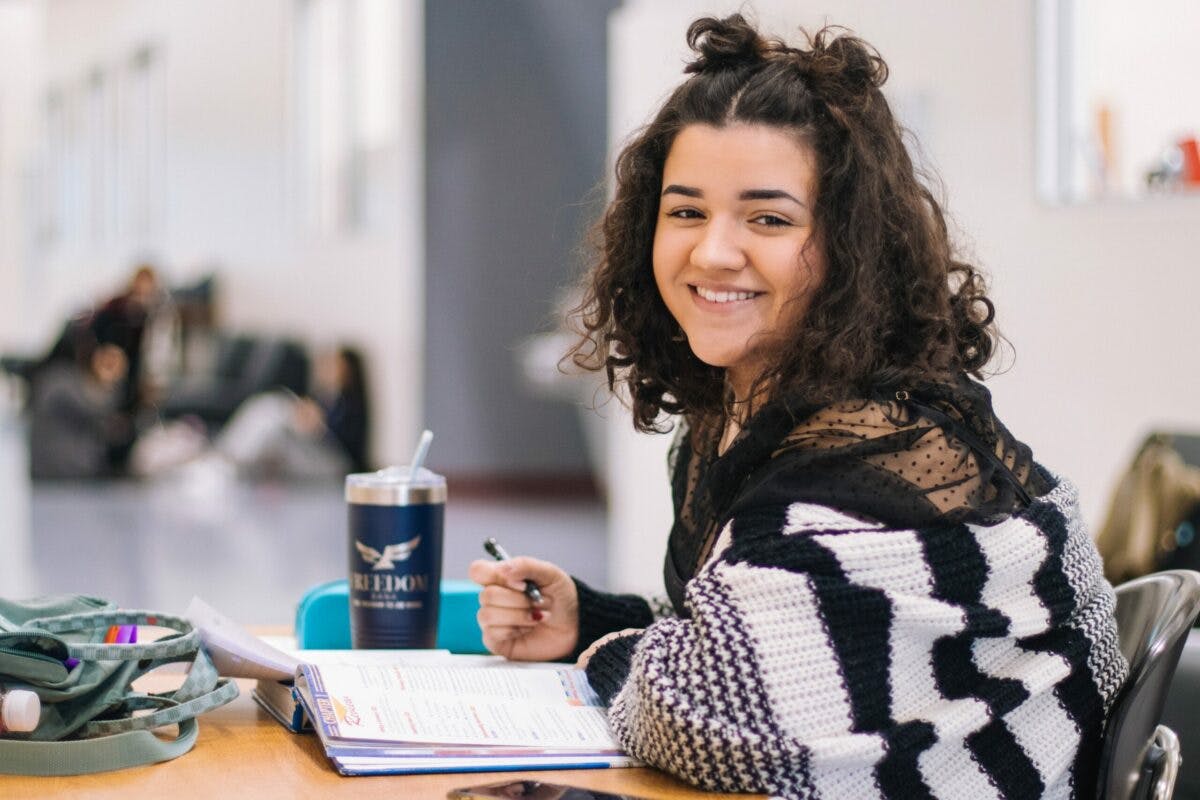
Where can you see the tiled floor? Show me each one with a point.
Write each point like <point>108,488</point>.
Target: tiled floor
<point>250,550</point>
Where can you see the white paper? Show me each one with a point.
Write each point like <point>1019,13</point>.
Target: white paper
<point>235,652</point>
<point>287,646</point>
<point>474,721</point>
<point>513,683</point>
<point>502,706</point>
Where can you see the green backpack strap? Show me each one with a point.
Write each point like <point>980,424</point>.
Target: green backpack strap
<point>185,642</point>
<point>81,756</point>
<point>121,739</point>
<point>202,691</point>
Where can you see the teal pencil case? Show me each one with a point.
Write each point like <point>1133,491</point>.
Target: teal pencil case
<point>323,617</point>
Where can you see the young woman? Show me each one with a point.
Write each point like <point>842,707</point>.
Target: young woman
<point>874,590</point>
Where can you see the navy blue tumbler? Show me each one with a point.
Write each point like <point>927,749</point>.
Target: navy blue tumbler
<point>395,557</point>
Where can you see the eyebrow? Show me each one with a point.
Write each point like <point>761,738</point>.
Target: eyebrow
<point>749,194</point>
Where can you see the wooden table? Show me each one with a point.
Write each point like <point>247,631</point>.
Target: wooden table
<point>244,754</point>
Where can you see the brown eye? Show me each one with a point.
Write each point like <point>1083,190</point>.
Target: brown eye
<point>771,221</point>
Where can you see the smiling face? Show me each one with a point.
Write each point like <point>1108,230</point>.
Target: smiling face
<point>730,259</point>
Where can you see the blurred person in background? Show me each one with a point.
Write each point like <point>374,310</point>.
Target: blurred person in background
<point>278,434</point>
<point>322,435</point>
<point>122,321</point>
<point>142,322</point>
<point>75,420</point>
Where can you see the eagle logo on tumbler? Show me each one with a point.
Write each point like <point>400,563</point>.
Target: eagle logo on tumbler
<point>400,551</point>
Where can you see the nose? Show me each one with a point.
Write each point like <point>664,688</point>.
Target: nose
<point>719,247</point>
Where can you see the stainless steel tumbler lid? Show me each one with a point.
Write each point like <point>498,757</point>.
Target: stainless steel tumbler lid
<point>395,487</point>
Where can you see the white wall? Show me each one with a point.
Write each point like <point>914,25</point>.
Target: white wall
<point>20,65</point>
<point>227,176</point>
<point>1098,300</point>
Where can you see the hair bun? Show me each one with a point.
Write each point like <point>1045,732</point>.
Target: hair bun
<point>723,43</point>
<point>854,63</point>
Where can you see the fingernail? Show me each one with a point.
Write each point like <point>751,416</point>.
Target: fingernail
<point>537,615</point>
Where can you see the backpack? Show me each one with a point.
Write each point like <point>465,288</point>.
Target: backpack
<point>55,647</point>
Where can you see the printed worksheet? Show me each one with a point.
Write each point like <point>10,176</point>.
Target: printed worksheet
<point>542,708</point>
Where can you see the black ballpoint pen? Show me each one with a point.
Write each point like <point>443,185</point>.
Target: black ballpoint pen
<point>497,552</point>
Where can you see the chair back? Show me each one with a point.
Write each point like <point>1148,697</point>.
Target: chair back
<point>1154,615</point>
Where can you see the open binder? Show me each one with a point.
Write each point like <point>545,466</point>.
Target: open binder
<point>403,718</point>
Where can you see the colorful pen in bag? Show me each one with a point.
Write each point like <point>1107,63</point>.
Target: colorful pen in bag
<point>116,634</point>
<point>121,634</point>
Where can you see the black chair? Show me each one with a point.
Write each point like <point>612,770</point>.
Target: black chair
<point>1140,758</point>
<point>1182,715</point>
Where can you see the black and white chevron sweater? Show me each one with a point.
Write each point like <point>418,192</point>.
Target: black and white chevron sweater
<point>826,655</point>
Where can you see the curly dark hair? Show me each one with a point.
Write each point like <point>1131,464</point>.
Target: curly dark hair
<point>896,307</point>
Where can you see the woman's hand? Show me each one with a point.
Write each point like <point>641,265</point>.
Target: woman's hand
<point>513,626</point>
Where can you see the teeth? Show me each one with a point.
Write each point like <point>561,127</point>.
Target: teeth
<point>723,297</point>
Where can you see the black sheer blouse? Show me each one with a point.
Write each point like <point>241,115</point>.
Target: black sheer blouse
<point>932,454</point>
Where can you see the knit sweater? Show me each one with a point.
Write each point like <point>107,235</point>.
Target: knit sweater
<point>824,654</point>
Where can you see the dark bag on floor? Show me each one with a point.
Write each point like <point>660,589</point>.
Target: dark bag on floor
<point>88,721</point>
